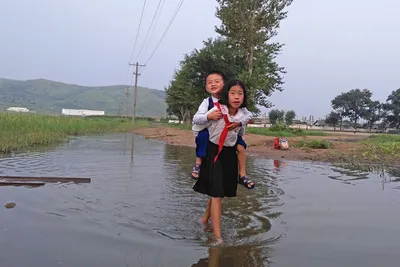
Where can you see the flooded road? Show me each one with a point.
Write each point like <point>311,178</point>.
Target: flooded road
<point>144,213</point>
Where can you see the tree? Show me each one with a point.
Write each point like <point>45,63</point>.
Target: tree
<point>373,113</point>
<point>248,25</point>
<point>180,100</point>
<point>352,104</point>
<point>333,119</point>
<point>216,54</point>
<point>276,115</point>
<point>392,107</point>
<point>289,117</point>
<point>187,88</point>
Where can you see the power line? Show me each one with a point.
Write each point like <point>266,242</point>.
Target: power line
<point>137,34</point>
<point>165,32</point>
<point>155,24</point>
<point>151,24</point>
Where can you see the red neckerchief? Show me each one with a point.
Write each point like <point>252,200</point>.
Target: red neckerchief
<point>224,132</point>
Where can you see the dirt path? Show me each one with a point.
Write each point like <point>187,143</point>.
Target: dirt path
<point>260,145</point>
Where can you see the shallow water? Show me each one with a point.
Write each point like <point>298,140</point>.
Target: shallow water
<point>146,214</point>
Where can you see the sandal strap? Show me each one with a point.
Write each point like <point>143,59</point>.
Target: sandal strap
<point>246,180</point>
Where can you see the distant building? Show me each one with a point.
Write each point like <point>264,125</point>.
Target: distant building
<point>18,109</point>
<point>82,112</point>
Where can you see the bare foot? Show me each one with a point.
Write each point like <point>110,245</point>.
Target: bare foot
<point>204,220</point>
<point>218,241</point>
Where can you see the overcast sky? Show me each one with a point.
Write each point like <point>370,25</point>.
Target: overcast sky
<point>331,46</point>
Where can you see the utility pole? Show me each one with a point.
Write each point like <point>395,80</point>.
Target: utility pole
<point>126,101</point>
<point>136,73</point>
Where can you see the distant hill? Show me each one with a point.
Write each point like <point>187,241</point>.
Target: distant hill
<point>47,96</point>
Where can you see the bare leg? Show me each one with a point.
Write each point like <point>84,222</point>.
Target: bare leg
<point>241,160</point>
<point>207,213</point>
<point>216,210</point>
<point>242,164</point>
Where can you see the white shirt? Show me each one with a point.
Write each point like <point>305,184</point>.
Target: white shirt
<point>200,118</point>
<point>215,128</point>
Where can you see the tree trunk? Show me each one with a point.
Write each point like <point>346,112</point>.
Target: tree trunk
<point>250,60</point>
<point>182,113</point>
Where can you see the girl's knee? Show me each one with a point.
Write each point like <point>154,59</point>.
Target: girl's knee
<point>240,148</point>
<point>216,199</point>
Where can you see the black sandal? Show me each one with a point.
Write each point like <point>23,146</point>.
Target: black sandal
<point>246,182</point>
<point>196,170</point>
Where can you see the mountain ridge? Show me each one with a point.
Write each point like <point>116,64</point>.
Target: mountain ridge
<point>48,96</point>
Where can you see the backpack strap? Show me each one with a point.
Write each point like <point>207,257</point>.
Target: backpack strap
<point>210,103</point>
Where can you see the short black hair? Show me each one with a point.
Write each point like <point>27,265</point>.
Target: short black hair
<point>225,92</point>
<point>218,72</point>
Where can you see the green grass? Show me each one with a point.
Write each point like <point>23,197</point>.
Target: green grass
<point>23,131</point>
<point>315,144</point>
<point>183,126</point>
<point>383,138</point>
<point>381,146</point>
<point>289,132</point>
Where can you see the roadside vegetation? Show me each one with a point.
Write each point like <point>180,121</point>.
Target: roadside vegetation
<point>24,131</point>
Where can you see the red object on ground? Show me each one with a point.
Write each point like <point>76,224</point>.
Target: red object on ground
<point>276,143</point>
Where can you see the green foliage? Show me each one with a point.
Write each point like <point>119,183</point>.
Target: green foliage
<point>283,132</point>
<point>44,96</point>
<point>382,146</point>
<point>289,117</point>
<point>276,116</point>
<point>22,131</point>
<point>392,106</point>
<point>248,25</point>
<point>279,126</point>
<point>383,138</point>
<point>357,104</point>
<point>187,89</point>
<point>352,104</point>
<point>373,113</point>
<point>315,144</point>
<point>333,118</point>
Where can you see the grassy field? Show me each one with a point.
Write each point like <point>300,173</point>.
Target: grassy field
<point>383,145</point>
<point>284,132</point>
<point>23,131</point>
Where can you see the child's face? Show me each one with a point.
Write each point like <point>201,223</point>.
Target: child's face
<point>236,96</point>
<point>214,84</point>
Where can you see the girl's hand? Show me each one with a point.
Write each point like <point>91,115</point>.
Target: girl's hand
<point>234,125</point>
<point>214,115</point>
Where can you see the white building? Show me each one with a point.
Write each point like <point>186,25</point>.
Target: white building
<point>18,109</point>
<point>82,112</point>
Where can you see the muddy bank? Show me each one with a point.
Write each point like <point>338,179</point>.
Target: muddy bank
<point>345,147</point>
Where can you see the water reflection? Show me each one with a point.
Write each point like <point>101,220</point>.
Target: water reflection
<point>234,256</point>
<point>349,172</point>
<point>146,213</point>
<point>246,220</point>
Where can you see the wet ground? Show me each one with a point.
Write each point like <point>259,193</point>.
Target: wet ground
<point>144,213</point>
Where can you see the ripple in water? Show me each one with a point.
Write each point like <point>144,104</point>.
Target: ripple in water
<point>132,209</point>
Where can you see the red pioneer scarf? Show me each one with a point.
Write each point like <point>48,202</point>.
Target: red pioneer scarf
<point>224,132</point>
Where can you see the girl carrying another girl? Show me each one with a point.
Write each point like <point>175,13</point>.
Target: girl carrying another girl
<point>219,169</point>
